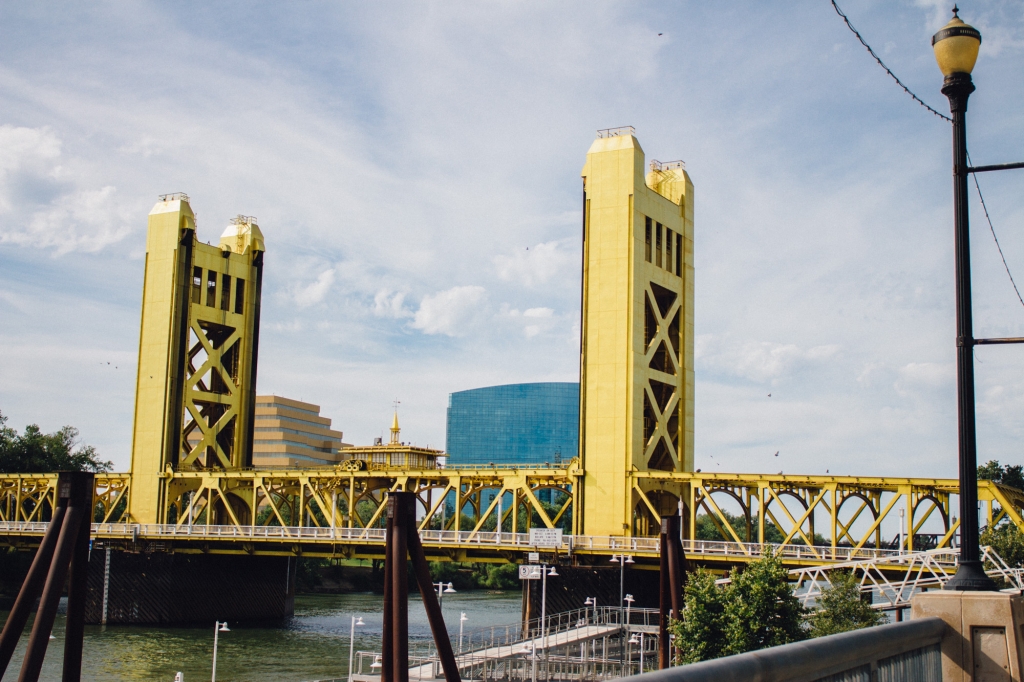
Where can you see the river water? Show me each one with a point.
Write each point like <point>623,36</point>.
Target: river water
<point>312,645</point>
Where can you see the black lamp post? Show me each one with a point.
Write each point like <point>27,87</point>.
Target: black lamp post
<point>956,50</point>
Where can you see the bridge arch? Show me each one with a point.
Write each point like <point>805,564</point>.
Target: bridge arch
<point>866,503</point>
<point>777,523</point>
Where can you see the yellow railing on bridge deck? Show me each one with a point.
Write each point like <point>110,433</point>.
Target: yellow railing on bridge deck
<point>348,502</point>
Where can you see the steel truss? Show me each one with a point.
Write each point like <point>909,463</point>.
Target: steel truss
<point>819,519</point>
<point>895,580</point>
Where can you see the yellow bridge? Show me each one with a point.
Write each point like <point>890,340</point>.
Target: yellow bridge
<point>193,487</point>
<point>338,514</point>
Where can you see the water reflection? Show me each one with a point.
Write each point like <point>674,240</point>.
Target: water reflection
<point>312,645</point>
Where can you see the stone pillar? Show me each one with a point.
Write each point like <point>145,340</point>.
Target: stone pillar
<point>984,640</point>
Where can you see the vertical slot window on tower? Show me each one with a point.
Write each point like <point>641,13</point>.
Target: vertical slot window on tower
<point>225,292</point>
<point>647,240</point>
<point>239,295</point>
<point>657,244</point>
<point>679,255</point>
<point>211,288</point>
<point>668,249</point>
<point>197,285</point>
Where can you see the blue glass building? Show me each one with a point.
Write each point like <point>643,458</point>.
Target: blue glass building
<point>514,424</point>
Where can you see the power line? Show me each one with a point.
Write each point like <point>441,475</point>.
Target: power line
<point>882,64</point>
<point>993,231</point>
<point>945,118</point>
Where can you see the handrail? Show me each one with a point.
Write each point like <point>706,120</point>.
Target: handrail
<point>619,544</point>
<point>814,658</point>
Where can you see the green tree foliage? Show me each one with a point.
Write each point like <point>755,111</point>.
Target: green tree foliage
<point>842,608</point>
<point>1007,541</point>
<point>707,530</point>
<point>762,610</point>
<point>700,635</point>
<point>1009,475</point>
<point>755,610</point>
<point>38,452</point>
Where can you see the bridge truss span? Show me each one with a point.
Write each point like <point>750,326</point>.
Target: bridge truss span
<point>814,520</point>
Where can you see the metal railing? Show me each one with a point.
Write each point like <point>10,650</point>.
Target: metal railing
<point>887,653</point>
<point>615,132</point>
<point>586,543</point>
<point>481,639</point>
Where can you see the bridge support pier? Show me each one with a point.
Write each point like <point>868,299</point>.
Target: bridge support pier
<point>172,588</point>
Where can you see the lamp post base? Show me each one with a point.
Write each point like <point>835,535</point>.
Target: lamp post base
<point>970,577</point>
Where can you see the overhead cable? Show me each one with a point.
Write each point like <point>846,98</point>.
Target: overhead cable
<point>882,64</point>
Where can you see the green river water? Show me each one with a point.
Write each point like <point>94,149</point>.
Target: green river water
<point>312,645</point>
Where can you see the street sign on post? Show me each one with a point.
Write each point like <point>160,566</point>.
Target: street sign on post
<point>546,537</point>
<point>533,557</point>
<point>529,572</point>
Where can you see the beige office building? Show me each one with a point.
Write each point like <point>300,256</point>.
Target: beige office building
<point>291,433</point>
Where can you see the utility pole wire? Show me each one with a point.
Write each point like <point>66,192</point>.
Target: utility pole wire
<point>993,231</point>
<point>882,64</point>
<point>945,118</point>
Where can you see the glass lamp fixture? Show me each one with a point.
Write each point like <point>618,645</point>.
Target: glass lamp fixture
<point>956,46</point>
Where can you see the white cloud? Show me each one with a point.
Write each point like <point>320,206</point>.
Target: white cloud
<point>538,312</point>
<point>758,361</point>
<point>40,204</point>
<point>315,292</point>
<point>390,304</point>
<point>535,265</point>
<point>925,378</point>
<point>449,312</point>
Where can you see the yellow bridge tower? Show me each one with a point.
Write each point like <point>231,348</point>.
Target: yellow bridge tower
<point>636,392</point>
<point>196,387</point>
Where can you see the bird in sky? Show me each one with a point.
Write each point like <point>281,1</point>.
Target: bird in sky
<point>698,471</point>
<point>776,453</point>
<point>769,395</point>
<point>826,471</point>
<point>660,34</point>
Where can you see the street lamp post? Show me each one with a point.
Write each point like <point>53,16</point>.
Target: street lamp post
<point>629,604</point>
<point>956,50</point>
<point>218,627</point>
<point>443,589</point>
<point>622,560</point>
<point>462,620</point>
<point>352,643</point>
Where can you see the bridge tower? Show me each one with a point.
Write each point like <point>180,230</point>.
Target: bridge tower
<point>195,393</point>
<point>637,391</point>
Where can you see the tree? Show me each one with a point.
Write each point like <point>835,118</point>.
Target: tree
<point>1007,541</point>
<point>1011,475</point>
<point>761,610</point>
<point>755,610</point>
<point>841,608</point>
<point>38,452</point>
<point>700,634</point>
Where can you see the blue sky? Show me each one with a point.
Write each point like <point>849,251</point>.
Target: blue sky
<point>401,157</point>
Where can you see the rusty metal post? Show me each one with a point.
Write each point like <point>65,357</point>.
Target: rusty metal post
<point>82,487</point>
<point>407,505</point>
<point>387,639</point>
<point>665,599</point>
<point>32,586</point>
<point>675,565</point>
<point>40,637</point>
<point>399,592</point>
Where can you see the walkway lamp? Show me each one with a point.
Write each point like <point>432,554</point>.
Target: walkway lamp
<point>621,560</point>
<point>352,643</point>
<point>956,50</point>
<point>462,619</point>
<point>218,627</point>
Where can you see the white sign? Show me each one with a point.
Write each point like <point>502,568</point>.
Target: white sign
<point>532,557</point>
<point>528,572</point>
<point>546,537</point>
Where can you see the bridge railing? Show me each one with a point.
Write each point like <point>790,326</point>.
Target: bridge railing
<point>586,543</point>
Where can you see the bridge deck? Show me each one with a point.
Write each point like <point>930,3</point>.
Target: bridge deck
<point>458,545</point>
